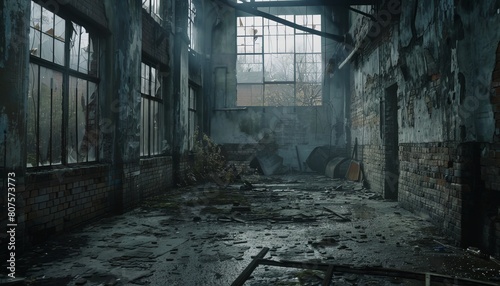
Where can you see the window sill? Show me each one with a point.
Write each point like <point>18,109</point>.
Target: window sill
<point>231,109</point>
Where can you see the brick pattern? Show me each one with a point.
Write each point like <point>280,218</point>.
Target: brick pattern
<point>156,175</point>
<point>434,182</point>
<point>61,199</point>
<point>372,158</point>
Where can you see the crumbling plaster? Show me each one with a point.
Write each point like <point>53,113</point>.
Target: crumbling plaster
<point>124,51</point>
<point>433,43</point>
<point>14,60</point>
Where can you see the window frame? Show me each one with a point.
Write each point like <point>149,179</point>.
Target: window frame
<point>156,148</point>
<point>90,135</point>
<point>153,10</point>
<point>261,82</point>
<point>193,123</point>
<point>192,13</point>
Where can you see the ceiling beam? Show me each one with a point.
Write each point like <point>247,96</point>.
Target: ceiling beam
<point>256,12</point>
<point>292,3</point>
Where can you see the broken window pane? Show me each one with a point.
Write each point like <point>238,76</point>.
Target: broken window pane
<point>32,120</point>
<point>79,49</point>
<point>35,30</point>
<point>276,48</point>
<point>157,84</point>
<point>50,117</point>
<point>143,132</point>
<point>145,126</point>
<point>154,129</point>
<point>93,46</point>
<point>47,94</point>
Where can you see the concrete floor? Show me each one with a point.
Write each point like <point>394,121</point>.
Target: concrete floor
<point>206,235</point>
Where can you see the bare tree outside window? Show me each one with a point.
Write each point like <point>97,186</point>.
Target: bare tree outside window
<point>278,65</point>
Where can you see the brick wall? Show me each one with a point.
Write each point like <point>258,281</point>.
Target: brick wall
<point>372,158</point>
<point>63,198</point>
<point>439,181</point>
<point>156,175</point>
<point>60,199</point>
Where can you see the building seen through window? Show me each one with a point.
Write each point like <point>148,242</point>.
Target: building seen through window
<point>278,65</point>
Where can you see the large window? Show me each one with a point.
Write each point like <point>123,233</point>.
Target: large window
<point>278,65</point>
<point>191,28</point>
<point>153,9</point>
<point>152,134</point>
<point>62,124</point>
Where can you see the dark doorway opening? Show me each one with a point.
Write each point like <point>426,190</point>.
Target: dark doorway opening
<point>389,132</point>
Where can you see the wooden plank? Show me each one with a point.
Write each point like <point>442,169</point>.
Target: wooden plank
<point>353,171</point>
<point>328,276</point>
<point>376,271</point>
<point>336,214</point>
<point>250,268</point>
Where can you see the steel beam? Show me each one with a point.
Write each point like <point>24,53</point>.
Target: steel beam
<point>256,12</point>
<point>292,3</point>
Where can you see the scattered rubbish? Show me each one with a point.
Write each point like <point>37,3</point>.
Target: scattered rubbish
<point>477,252</point>
<point>246,186</point>
<point>318,159</point>
<point>337,167</point>
<point>354,171</point>
<point>240,242</point>
<point>224,219</point>
<point>81,281</point>
<point>268,163</point>
<point>336,214</point>
<point>353,272</point>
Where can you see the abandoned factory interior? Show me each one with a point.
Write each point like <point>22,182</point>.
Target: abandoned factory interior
<point>250,142</point>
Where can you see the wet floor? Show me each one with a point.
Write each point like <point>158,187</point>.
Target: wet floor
<point>206,235</point>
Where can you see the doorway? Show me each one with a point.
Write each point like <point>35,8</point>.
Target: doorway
<point>390,141</point>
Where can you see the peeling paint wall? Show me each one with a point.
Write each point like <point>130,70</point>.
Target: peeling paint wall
<point>14,61</point>
<point>52,199</point>
<point>441,56</point>
<point>124,59</point>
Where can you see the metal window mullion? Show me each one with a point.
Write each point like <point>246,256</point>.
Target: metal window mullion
<point>149,127</point>
<point>79,47</point>
<point>38,120</point>
<point>294,64</point>
<point>96,125</point>
<point>51,112</point>
<point>86,121</point>
<point>76,122</point>
<point>65,94</point>
<point>53,36</point>
<point>263,64</point>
